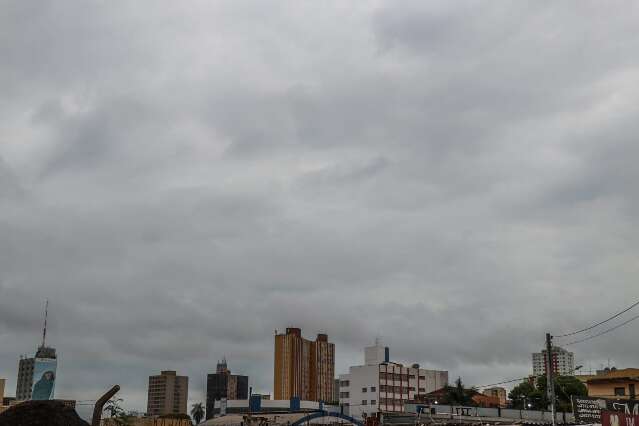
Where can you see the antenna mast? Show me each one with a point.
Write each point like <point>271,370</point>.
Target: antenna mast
<point>44,329</point>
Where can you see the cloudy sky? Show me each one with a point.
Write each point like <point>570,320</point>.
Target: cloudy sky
<point>180,179</point>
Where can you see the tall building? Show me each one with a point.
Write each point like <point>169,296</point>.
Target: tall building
<point>384,386</point>
<point>224,385</point>
<point>2,383</point>
<point>304,368</point>
<point>167,394</point>
<point>563,362</point>
<point>42,367</point>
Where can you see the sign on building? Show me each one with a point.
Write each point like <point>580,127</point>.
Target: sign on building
<point>588,410</point>
<point>44,374</point>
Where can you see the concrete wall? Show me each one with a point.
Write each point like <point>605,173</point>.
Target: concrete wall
<point>456,410</point>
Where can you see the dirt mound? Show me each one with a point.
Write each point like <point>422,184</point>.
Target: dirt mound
<point>41,413</point>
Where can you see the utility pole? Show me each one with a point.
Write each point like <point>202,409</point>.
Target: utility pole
<point>550,384</point>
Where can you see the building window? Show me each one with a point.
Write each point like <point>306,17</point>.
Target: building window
<point>373,402</point>
<point>363,402</point>
<point>345,383</point>
<point>422,377</point>
<point>373,389</point>
<point>364,390</point>
<point>344,395</point>
<point>620,391</point>
<point>422,389</point>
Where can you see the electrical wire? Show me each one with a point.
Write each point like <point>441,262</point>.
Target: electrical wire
<point>601,333</point>
<point>502,383</point>
<point>600,323</point>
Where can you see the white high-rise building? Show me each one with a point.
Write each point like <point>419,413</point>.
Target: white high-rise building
<point>563,362</point>
<point>384,386</point>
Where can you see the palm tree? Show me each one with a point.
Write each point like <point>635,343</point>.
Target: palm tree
<point>116,412</point>
<point>197,412</point>
<point>113,407</point>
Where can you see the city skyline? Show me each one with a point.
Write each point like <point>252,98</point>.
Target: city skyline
<point>180,180</point>
<point>376,353</point>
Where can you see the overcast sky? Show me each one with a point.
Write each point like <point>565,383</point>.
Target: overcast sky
<point>180,179</point>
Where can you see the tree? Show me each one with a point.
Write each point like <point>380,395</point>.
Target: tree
<point>197,412</point>
<point>458,394</point>
<point>116,412</point>
<point>565,388</point>
<point>536,396</point>
<point>113,408</point>
<point>525,395</point>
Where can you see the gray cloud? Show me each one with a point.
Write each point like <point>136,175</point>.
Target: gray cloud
<point>180,181</point>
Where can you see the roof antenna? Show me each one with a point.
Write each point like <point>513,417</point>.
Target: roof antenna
<point>44,330</point>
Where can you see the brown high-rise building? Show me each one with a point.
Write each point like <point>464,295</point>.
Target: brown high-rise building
<point>168,394</point>
<point>304,368</point>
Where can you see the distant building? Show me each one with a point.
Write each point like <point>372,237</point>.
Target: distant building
<point>498,392</point>
<point>224,385</point>
<point>384,386</point>
<point>563,362</point>
<point>27,367</point>
<point>303,368</point>
<point>614,383</point>
<point>263,396</point>
<point>167,394</point>
<point>2,404</point>
<point>486,401</point>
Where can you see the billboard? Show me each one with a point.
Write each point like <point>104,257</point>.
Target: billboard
<point>44,375</point>
<point>588,409</point>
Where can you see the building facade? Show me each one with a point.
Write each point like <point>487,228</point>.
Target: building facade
<point>563,362</point>
<point>614,383</point>
<point>167,394</point>
<point>498,392</point>
<point>224,385</point>
<point>384,386</point>
<point>303,368</point>
<point>26,368</point>
<point>25,379</point>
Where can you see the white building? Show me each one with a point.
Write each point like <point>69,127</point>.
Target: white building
<point>563,362</point>
<point>381,385</point>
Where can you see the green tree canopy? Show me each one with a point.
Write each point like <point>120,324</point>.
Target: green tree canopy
<point>565,388</point>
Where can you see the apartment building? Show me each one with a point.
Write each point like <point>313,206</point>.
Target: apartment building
<point>303,368</point>
<point>384,386</point>
<point>167,394</point>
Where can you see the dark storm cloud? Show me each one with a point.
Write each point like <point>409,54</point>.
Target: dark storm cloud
<point>180,181</point>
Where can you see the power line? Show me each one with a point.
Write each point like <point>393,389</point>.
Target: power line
<point>600,323</point>
<point>502,383</point>
<point>602,333</point>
